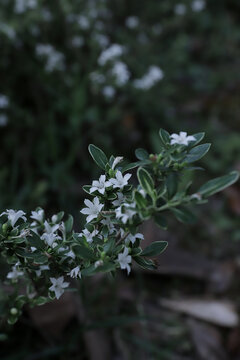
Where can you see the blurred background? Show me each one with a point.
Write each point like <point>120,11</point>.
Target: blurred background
<point>112,72</point>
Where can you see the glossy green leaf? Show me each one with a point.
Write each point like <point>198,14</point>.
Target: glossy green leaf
<point>215,185</point>
<point>140,200</point>
<point>141,154</point>
<point>145,180</point>
<point>197,153</point>
<point>164,136</point>
<point>145,263</point>
<point>172,184</point>
<point>184,215</point>
<point>160,221</point>
<point>98,156</point>
<point>155,248</point>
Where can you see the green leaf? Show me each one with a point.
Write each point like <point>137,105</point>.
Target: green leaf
<point>197,153</point>
<point>37,257</point>
<point>184,215</point>
<point>134,165</point>
<point>98,156</point>
<point>136,251</point>
<point>164,136</point>
<point>106,267</point>
<point>172,184</point>
<point>155,248</point>
<point>145,263</point>
<point>84,252</point>
<point>215,185</point>
<point>140,200</point>
<point>87,188</point>
<point>69,224</point>
<point>141,154</point>
<point>88,271</point>
<point>160,221</point>
<point>198,137</point>
<point>145,181</point>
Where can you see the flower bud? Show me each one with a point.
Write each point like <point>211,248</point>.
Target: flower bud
<point>13,311</point>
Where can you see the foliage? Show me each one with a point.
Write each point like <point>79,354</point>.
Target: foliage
<point>43,252</point>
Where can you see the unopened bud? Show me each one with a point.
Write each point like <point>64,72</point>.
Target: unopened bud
<point>13,311</point>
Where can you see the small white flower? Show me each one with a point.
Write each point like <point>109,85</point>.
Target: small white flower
<point>100,185</point>
<point>198,5</point>
<point>108,222</point>
<point>77,41</point>
<point>120,180</point>
<point>132,238</point>
<point>15,273</point>
<point>98,263</point>
<point>71,254</point>
<point>181,139</point>
<point>58,286</point>
<point>50,239</point>
<point>102,40</point>
<point>89,235</point>
<point>132,22</point>
<point>74,273</point>
<point>153,75</point>
<point>50,229</point>
<point>124,260</point>
<point>14,216</point>
<point>112,52</point>
<point>97,78</point>
<point>83,22</point>
<point>41,268</point>
<point>38,215</point>
<point>127,214</point>
<point>121,73</point>
<point>180,9</point>
<point>196,196</point>
<point>116,161</point>
<point>4,102</point>
<point>93,209</point>
<point>120,200</point>
<point>108,92</point>
<point>33,248</point>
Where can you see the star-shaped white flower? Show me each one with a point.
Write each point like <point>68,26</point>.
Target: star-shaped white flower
<point>50,239</point>
<point>124,260</point>
<point>182,138</point>
<point>74,273</point>
<point>58,286</point>
<point>120,199</point>
<point>15,273</point>
<point>100,185</point>
<point>116,161</point>
<point>120,180</point>
<point>89,235</point>
<point>14,216</point>
<point>50,229</point>
<point>132,238</point>
<point>93,209</point>
<point>38,215</point>
<point>127,214</point>
<point>108,222</point>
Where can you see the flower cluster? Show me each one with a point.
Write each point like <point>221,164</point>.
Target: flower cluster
<point>44,253</point>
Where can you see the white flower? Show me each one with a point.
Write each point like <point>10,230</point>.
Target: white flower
<point>132,22</point>
<point>38,215</point>
<point>50,239</point>
<point>50,229</point>
<point>198,5</point>
<point>153,75</point>
<point>98,263</point>
<point>41,268</point>
<point>110,53</point>
<point>121,73</point>
<point>71,254</point>
<point>124,260</point>
<point>180,9</point>
<point>14,216</point>
<point>108,92</point>
<point>121,198</point>
<point>182,138</point>
<point>3,120</point>
<point>196,196</point>
<point>108,222</point>
<point>74,273</point>
<point>83,22</point>
<point>4,102</point>
<point>54,59</point>
<point>93,209</point>
<point>77,41</point>
<point>102,40</point>
<point>132,238</point>
<point>97,78</point>
<point>116,161</point>
<point>58,286</point>
<point>89,235</point>
<point>33,248</point>
<point>127,214</point>
<point>15,273</point>
<point>100,185</point>
<point>120,180</point>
